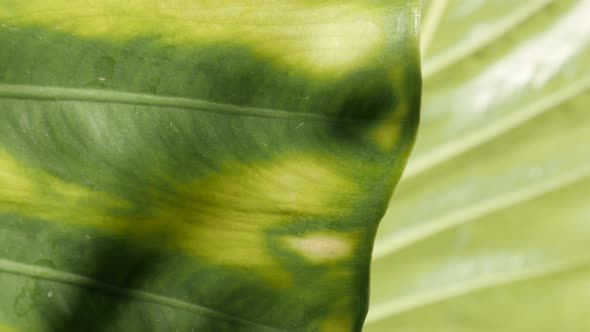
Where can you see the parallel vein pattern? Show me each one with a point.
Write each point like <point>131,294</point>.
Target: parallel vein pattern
<point>488,228</point>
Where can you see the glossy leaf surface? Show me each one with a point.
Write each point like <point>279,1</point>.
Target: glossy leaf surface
<point>183,165</point>
<point>488,229</point>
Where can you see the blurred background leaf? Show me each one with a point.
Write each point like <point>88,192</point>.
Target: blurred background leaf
<point>489,228</point>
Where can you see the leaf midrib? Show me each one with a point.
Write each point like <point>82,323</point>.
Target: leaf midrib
<point>431,23</point>
<point>45,273</point>
<point>381,311</point>
<point>37,92</point>
<point>430,228</point>
<point>470,141</point>
<point>463,50</point>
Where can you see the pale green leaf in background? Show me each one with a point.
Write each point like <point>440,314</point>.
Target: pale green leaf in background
<point>489,228</point>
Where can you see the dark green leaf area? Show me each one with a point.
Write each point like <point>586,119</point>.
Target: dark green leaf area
<point>228,74</point>
<point>185,188</point>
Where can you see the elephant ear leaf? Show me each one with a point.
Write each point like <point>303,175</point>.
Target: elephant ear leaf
<point>198,165</point>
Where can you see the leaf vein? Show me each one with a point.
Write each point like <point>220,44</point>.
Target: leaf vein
<point>16,91</point>
<point>400,240</point>
<point>463,50</point>
<point>397,307</point>
<point>486,134</point>
<point>45,273</point>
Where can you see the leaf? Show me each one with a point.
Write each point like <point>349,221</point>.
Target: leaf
<point>197,165</point>
<point>488,229</point>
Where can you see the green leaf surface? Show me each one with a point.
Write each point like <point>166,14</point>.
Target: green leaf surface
<point>198,165</point>
<point>488,229</point>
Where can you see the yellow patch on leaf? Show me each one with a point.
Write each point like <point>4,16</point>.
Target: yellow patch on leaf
<point>321,247</point>
<point>4,328</point>
<point>36,193</point>
<point>318,37</point>
<point>340,320</point>
<point>223,218</point>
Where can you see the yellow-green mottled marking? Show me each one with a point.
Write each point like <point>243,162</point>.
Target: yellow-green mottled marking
<point>322,246</point>
<point>205,217</point>
<point>239,203</point>
<point>336,324</point>
<point>385,133</point>
<point>5,328</point>
<point>321,38</point>
<point>339,320</point>
<point>38,194</point>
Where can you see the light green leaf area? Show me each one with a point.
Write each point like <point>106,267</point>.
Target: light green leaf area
<point>198,165</point>
<point>488,229</point>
